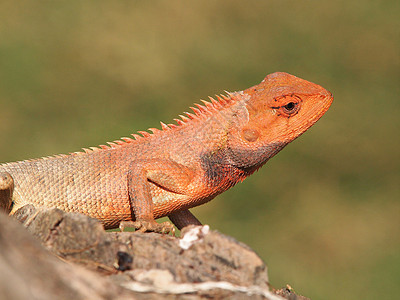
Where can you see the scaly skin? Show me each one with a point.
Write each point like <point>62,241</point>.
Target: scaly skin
<point>171,170</point>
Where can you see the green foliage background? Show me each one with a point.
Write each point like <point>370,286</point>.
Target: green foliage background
<point>325,213</point>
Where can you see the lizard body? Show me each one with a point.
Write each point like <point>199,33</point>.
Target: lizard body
<point>168,171</point>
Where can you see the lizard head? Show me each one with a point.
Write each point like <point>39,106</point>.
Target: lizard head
<point>275,112</point>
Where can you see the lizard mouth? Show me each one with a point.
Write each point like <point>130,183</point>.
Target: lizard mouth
<point>328,102</point>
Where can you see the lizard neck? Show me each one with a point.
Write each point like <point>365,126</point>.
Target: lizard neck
<point>250,159</point>
<point>231,149</point>
<point>229,159</point>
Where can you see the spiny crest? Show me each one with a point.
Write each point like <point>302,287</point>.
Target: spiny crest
<point>201,111</point>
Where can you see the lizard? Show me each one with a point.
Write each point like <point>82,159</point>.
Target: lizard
<point>165,172</point>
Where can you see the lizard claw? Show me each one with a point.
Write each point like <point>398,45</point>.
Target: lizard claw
<point>149,226</point>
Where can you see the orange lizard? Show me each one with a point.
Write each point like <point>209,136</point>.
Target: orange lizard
<point>133,181</point>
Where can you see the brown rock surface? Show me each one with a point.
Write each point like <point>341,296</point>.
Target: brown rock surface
<point>82,261</point>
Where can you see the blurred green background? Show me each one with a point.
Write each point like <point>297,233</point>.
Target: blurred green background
<point>324,214</point>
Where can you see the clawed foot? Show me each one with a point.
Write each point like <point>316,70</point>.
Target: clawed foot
<point>148,226</point>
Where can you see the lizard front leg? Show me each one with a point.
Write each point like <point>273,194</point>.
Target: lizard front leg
<point>165,174</point>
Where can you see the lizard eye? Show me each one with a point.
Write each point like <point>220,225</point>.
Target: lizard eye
<point>290,108</point>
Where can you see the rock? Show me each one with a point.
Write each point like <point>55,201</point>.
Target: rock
<point>96,264</point>
<point>288,293</point>
<point>28,271</point>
